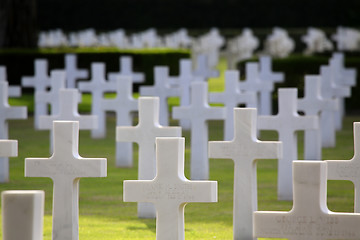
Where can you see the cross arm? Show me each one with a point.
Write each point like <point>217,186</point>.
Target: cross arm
<point>138,190</point>
<point>8,148</point>
<point>95,167</point>
<point>127,134</point>
<point>19,112</point>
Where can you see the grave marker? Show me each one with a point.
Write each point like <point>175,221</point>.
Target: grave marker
<point>348,169</point>
<point>253,83</point>
<point>170,191</point>
<point>287,122</point>
<point>312,104</point>
<point>72,72</point>
<point>14,91</point>
<point>40,82</point>
<point>8,148</point>
<point>69,99</point>
<point>98,86</point>
<point>65,167</point>
<point>231,98</point>
<point>52,97</point>
<point>202,68</point>
<point>124,105</point>
<point>22,214</point>
<point>145,134</point>
<point>330,91</point>
<point>309,219</point>
<point>199,112</point>
<point>266,74</point>
<point>126,69</point>
<point>161,89</point>
<point>244,150</point>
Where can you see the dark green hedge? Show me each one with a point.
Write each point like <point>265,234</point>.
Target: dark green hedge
<point>21,63</point>
<point>297,66</point>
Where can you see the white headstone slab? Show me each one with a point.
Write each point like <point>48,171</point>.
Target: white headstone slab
<point>309,219</point>
<point>57,79</point>
<point>170,191</point>
<point>348,169</point>
<point>162,90</point>
<point>14,91</point>
<point>40,82</point>
<point>126,70</point>
<point>124,105</point>
<point>98,86</point>
<point>72,72</point>
<point>287,122</point>
<point>232,97</point>
<point>65,167</point>
<point>253,83</point>
<point>199,112</point>
<point>22,214</point>
<point>330,91</point>
<point>145,134</point>
<point>244,150</point>
<point>8,148</point>
<point>203,69</point>
<point>266,74</point>
<point>313,105</point>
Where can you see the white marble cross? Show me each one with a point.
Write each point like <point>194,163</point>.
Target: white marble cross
<point>57,79</point>
<point>330,91</point>
<point>312,104</point>
<point>309,219</point>
<point>98,86</point>
<point>170,191</point>
<point>124,106</point>
<point>183,81</point>
<point>266,74</point>
<point>162,90</point>
<point>8,148</point>
<point>244,150</point>
<point>40,82</point>
<point>199,112</point>
<point>253,83</point>
<point>126,70</point>
<point>72,72</point>
<point>69,99</point>
<point>232,97</point>
<point>65,167</point>
<point>14,91</point>
<point>287,122</point>
<point>144,134</point>
<point>349,169</point>
<point>202,68</point>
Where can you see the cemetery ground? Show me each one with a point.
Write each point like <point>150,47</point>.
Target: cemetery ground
<point>104,215</point>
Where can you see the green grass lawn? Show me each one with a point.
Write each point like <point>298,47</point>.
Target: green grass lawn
<point>103,214</point>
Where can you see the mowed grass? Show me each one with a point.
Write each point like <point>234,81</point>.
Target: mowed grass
<point>103,215</point>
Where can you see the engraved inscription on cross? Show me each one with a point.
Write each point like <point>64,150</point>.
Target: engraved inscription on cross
<point>170,191</point>
<point>40,81</point>
<point>266,74</point>
<point>199,112</point>
<point>312,104</point>
<point>244,150</point>
<point>162,90</point>
<point>72,72</point>
<point>57,82</point>
<point>145,134</point>
<point>286,123</point>
<point>124,105</point>
<point>126,70</point>
<point>349,169</point>
<point>231,98</point>
<point>309,219</point>
<point>65,167</point>
<point>98,86</point>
